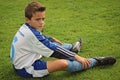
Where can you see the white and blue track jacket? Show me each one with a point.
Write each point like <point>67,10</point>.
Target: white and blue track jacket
<point>30,45</point>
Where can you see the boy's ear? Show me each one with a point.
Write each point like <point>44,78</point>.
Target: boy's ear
<point>27,20</point>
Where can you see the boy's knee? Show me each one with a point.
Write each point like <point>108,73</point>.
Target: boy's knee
<point>64,63</point>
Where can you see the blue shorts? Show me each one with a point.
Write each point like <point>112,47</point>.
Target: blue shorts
<point>37,69</point>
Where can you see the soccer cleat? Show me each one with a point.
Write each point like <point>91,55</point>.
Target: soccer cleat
<point>109,60</point>
<point>77,46</point>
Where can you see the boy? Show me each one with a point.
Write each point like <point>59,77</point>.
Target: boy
<point>29,45</point>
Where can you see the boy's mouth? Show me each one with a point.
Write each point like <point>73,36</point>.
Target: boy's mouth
<point>40,26</point>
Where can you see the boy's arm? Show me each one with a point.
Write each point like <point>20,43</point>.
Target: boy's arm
<point>53,39</point>
<point>47,48</point>
<point>48,37</point>
<point>56,40</point>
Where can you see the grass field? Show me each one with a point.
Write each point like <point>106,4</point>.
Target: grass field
<point>96,21</point>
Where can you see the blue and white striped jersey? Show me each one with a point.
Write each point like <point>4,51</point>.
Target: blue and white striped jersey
<point>30,45</point>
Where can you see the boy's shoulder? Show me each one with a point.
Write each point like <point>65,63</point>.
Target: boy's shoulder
<point>25,31</point>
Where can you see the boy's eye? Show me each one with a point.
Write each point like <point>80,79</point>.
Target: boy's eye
<point>40,19</point>
<point>43,19</point>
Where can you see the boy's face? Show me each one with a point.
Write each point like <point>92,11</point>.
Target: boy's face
<point>37,20</point>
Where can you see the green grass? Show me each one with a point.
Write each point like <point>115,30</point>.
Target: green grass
<point>96,21</point>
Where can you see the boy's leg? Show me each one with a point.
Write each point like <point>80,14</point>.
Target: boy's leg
<point>99,61</point>
<point>65,45</point>
<point>72,47</point>
<point>74,66</point>
<point>56,65</point>
<point>68,65</point>
<point>76,46</point>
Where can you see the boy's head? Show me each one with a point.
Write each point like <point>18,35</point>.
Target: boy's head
<point>33,7</point>
<point>35,15</point>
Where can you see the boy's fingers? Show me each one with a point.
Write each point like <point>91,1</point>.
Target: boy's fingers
<point>86,64</point>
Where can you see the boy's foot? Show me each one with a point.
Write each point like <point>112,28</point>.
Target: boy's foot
<point>105,60</point>
<point>77,46</point>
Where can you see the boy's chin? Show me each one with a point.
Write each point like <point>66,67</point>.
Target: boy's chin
<point>41,29</point>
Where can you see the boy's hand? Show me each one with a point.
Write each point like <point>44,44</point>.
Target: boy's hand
<point>85,62</point>
<point>57,41</point>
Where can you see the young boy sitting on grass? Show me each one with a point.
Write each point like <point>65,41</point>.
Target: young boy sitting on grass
<point>29,45</point>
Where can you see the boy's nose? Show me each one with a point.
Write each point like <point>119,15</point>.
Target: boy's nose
<point>41,22</point>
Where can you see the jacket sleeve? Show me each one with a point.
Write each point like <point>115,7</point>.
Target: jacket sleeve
<point>58,51</point>
<point>49,37</point>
